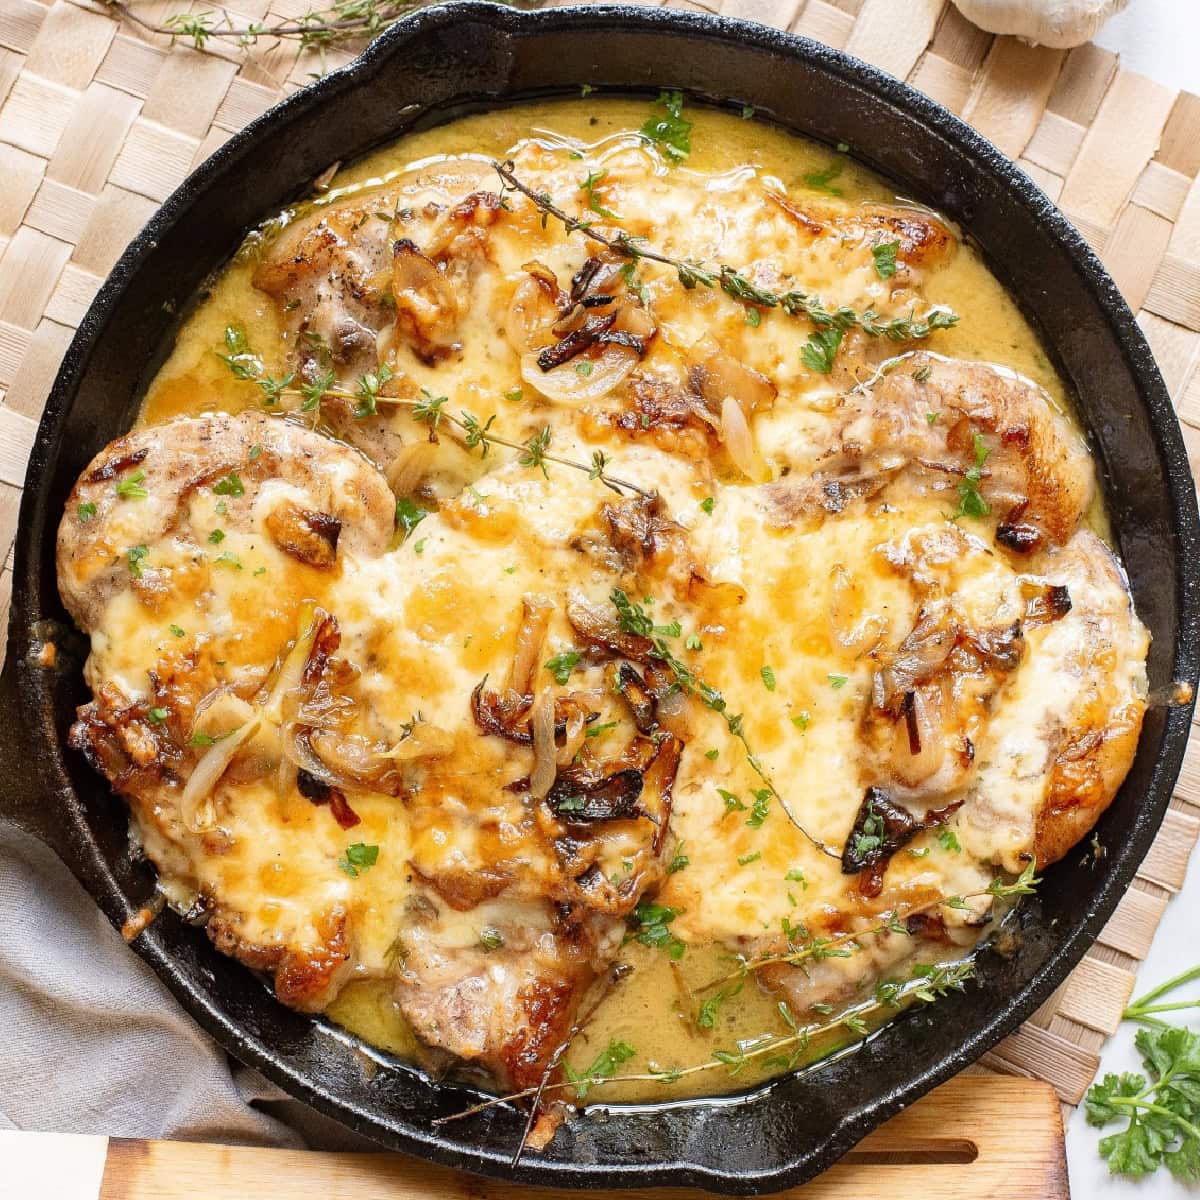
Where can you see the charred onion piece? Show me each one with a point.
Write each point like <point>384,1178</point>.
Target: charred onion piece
<point>578,798</point>
<point>1051,604</point>
<point>575,342</point>
<point>638,696</point>
<point>322,793</point>
<point>881,828</point>
<point>310,537</point>
<point>505,713</point>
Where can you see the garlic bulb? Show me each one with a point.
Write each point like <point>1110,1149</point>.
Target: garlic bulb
<point>1060,24</point>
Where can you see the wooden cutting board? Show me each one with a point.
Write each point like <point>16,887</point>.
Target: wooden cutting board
<point>977,1136</point>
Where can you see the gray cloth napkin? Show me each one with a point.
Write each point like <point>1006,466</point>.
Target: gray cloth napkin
<point>92,1042</point>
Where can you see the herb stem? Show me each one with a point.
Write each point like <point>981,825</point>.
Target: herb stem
<point>486,437</point>
<point>799,1037</point>
<point>832,324</point>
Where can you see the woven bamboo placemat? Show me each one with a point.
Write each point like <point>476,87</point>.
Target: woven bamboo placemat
<point>99,122</point>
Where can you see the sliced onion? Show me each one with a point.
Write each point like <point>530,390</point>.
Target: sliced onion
<point>291,671</point>
<point>531,637</point>
<point>575,733</point>
<point>850,633</point>
<point>912,768</point>
<point>531,313</point>
<point>425,741</point>
<point>410,467</point>
<point>545,763</point>
<point>565,385</point>
<point>197,807</point>
<point>739,441</point>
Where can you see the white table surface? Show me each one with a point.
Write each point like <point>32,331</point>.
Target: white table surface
<point>1159,38</point>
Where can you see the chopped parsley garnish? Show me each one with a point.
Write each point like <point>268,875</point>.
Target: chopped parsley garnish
<point>156,716</point>
<point>821,349</point>
<point>801,719</point>
<point>515,396</point>
<point>768,678</point>
<point>136,557</point>
<point>837,681</point>
<point>589,186</point>
<point>130,488</point>
<point>176,631</point>
<point>200,740</point>
<point>746,859</point>
<point>491,938</point>
<point>707,1017</point>
<point>821,180</point>
<point>652,922</point>
<point>753,317</point>
<point>761,809</point>
<point>584,368</point>
<point>409,515</point>
<point>931,417</point>
<point>970,500</point>
<point>561,665</point>
<point>86,511</point>
<point>229,559</point>
<point>871,837</point>
<point>357,858</point>
<point>679,861</point>
<point>217,537</point>
<point>885,259</point>
<point>231,485</point>
<point>604,1067</point>
<point>948,840</point>
<point>732,801</point>
<point>707,505</point>
<point>712,754</point>
<point>668,130</point>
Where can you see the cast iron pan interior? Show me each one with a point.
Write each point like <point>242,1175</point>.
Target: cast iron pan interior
<point>438,63</point>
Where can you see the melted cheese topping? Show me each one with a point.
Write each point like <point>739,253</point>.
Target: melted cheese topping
<point>425,621</point>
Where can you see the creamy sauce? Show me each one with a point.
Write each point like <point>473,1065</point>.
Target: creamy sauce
<point>416,618</point>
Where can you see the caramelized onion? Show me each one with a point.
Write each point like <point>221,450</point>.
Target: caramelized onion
<point>576,731</point>
<point>197,808</point>
<point>739,441</point>
<point>851,633</point>
<point>531,313</point>
<point>545,760</point>
<point>410,467</point>
<point>565,385</point>
<point>919,749</point>
<point>531,639</point>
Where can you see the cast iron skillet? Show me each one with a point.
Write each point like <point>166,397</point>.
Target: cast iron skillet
<point>434,65</point>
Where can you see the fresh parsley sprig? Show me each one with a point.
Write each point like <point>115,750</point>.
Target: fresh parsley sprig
<point>1161,1105</point>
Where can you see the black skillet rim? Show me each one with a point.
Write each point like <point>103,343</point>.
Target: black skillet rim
<point>1185,528</point>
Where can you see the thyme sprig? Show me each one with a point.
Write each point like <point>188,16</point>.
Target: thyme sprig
<point>784,1051</point>
<point>344,22</point>
<point>474,433</point>
<point>633,618</point>
<point>842,945</point>
<point>735,283</point>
